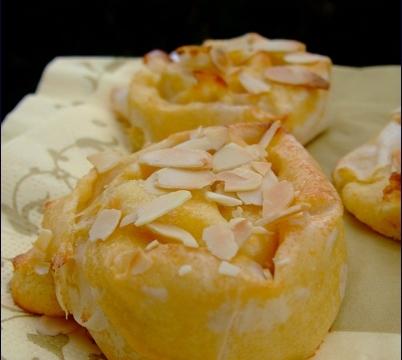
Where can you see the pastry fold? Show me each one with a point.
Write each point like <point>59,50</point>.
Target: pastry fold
<point>369,180</point>
<point>239,255</point>
<point>222,82</point>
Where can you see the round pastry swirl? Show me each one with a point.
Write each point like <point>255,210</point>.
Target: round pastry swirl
<point>221,82</point>
<point>216,243</point>
<point>369,180</point>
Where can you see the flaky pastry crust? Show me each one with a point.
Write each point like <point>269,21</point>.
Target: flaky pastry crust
<point>221,82</point>
<point>274,298</point>
<point>369,181</point>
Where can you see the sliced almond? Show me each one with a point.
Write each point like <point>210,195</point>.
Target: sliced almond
<point>173,232</point>
<point>217,136</point>
<point>240,179</point>
<point>104,161</point>
<point>226,268</point>
<point>152,245</point>
<point>120,103</point>
<point>297,76</point>
<point>185,269</point>
<point>253,84</point>
<point>276,216</point>
<point>150,185</point>
<point>277,197</point>
<point>257,151</point>
<point>130,262</point>
<point>180,158</point>
<point>184,179</point>
<point>242,229</point>
<point>230,156</point>
<point>105,223</point>
<point>129,219</point>
<point>304,58</point>
<point>220,241</point>
<point>222,199</point>
<point>253,197</point>
<point>280,45</point>
<point>140,263</point>
<point>269,134</point>
<point>201,143</point>
<point>261,167</point>
<point>161,206</point>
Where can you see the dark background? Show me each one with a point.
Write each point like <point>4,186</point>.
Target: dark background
<point>356,33</point>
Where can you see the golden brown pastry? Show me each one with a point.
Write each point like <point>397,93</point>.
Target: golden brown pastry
<point>216,243</point>
<point>369,180</point>
<point>221,82</point>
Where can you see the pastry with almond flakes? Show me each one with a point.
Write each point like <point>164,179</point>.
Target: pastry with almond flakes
<point>223,242</point>
<point>369,180</point>
<point>244,79</point>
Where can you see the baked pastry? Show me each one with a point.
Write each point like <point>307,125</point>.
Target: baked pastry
<point>221,82</point>
<point>369,180</point>
<point>216,243</point>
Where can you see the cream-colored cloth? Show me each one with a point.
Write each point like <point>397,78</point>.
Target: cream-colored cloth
<point>46,139</point>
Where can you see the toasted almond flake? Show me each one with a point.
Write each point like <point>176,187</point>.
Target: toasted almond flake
<point>45,236</point>
<point>140,263</point>
<point>261,167</point>
<point>52,326</point>
<point>161,206</point>
<point>104,161</point>
<point>297,76</point>
<point>277,197</point>
<point>42,268</point>
<point>253,84</point>
<point>151,185</point>
<point>201,143</point>
<point>222,199</point>
<point>217,136</point>
<point>226,268</point>
<point>269,134</point>
<point>174,232</point>
<point>304,58</point>
<point>180,158</point>
<point>185,269</point>
<point>276,216</point>
<point>129,219</point>
<point>257,151</point>
<point>184,179</point>
<point>230,156</point>
<point>197,133</point>
<point>238,212</point>
<point>253,197</point>
<point>280,45</point>
<point>242,229</point>
<point>105,223</point>
<point>220,241</point>
<point>240,179</point>
<point>152,245</point>
<point>259,230</point>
